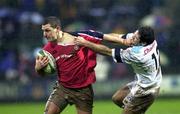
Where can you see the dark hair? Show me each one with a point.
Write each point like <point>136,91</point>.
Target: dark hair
<point>146,35</point>
<point>53,21</point>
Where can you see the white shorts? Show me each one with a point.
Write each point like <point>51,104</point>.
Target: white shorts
<point>139,98</point>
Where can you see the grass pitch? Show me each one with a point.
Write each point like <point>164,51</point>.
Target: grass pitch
<point>160,106</point>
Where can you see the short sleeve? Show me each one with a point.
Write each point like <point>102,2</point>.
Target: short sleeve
<point>123,56</point>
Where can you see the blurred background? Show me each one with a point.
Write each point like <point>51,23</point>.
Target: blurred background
<point>21,37</point>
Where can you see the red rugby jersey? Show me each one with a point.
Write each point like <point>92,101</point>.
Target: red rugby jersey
<point>75,65</point>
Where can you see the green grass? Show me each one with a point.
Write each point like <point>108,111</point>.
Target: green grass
<point>161,106</point>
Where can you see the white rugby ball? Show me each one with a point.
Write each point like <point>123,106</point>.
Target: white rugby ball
<point>51,67</point>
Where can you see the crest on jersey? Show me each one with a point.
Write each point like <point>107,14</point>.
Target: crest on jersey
<point>76,47</point>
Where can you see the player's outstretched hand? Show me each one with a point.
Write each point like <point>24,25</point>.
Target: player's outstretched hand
<point>79,41</point>
<point>133,40</point>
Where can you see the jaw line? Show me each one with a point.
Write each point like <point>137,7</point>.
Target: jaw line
<point>50,39</point>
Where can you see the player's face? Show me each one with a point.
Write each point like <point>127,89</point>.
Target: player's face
<point>49,32</point>
<point>136,34</point>
<point>136,37</point>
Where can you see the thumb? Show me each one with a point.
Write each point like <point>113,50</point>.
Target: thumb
<point>75,38</point>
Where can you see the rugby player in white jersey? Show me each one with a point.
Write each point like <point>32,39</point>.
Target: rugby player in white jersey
<point>137,96</point>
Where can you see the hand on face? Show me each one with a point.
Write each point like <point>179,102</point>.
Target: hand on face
<point>134,39</point>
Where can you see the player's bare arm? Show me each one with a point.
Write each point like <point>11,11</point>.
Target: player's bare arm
<point>96,47</point>
<point>118,38</point>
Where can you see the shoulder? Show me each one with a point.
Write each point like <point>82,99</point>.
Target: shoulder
<point>49,45</point>
<point>135,52</point>
<point>136,49</point>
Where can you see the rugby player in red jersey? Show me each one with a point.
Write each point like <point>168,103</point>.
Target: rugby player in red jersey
<point>75,66</point>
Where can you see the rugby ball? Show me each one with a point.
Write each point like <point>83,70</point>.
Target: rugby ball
<point>51,67</point>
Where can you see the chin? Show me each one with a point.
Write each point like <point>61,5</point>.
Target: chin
<point>51,39</point>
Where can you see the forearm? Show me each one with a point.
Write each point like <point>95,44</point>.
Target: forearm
<point>98,48</point>
<point>116,38</point>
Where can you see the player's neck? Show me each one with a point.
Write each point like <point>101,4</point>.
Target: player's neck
<point>66,38</point>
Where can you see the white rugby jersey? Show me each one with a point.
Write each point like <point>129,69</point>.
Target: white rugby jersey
<point>145,62</point>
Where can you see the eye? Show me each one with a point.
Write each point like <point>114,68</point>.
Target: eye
<point>47,30</point>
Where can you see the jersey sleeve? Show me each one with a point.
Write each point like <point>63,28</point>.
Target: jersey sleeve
<point>124,56</point>
<point>90,35</point>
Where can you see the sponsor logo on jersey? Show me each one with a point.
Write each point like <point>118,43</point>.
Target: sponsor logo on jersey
<point>147,50</point>
<point>64,56</point>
